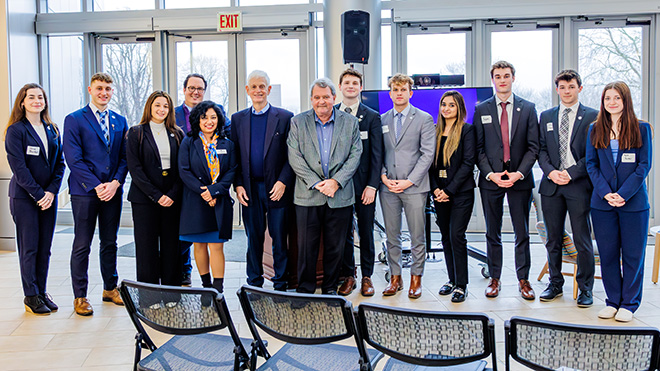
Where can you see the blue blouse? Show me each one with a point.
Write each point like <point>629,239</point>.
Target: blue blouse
<point>614,145</point>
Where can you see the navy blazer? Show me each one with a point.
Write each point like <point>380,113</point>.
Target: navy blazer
<point>92,162</point>
<point>627,178</point>
<point>276,158</point>
<point>180,117</point>
<point>196,214</point>
<point>143,160</point>
<point>523,145</point>
<point>460,172</point>
<point>549,152</point>
<point>33,174</point>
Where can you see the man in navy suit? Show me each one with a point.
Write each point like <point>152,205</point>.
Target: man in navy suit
<point>565,186</point>
<point>194,87</point>
<point>264,179</point>
<point>507,147</point>
<point>95,152</point>
<point>366,180</point>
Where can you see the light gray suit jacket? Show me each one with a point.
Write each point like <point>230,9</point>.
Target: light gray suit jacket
<point>305,159</point>
<point>411,156</point>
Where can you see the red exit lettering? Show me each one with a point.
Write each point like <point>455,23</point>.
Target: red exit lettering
<point>228,21</point>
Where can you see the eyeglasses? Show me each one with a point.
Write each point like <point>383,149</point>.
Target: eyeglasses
<point>192,89</point>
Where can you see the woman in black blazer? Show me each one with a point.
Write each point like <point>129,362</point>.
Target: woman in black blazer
<point>34,152</point>
<point>452,182</point>
<point>152,151</point>
<point>207,164</point>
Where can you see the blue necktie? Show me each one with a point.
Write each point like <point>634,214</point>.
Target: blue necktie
<point>104,127</point>
<point>399,124</point>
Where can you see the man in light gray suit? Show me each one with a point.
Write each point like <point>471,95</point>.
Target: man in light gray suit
<point>409,138</point>
<point>324,153</point>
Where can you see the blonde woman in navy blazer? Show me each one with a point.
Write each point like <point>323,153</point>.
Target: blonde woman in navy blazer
<point>34,152</point>
<point>618,161</point>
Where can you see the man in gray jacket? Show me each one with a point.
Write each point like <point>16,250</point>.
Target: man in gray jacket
<point>324,153</point>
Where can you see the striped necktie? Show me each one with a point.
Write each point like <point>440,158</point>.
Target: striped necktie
<point>104,126</point>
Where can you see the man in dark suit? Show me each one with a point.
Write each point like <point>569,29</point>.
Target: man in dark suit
<point>507,147</point>
<point>565,186</point>
<point>264,179</point>
<point>324,153</point>
<point>194,87</point>
<point>366,181</point>
<point>95,152</point>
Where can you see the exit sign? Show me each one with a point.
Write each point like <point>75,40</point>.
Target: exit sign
<point>230,22</point>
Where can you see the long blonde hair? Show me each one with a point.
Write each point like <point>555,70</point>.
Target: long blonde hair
<point>454,137</point>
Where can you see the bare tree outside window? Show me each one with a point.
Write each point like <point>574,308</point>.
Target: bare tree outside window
<point>210,59</point>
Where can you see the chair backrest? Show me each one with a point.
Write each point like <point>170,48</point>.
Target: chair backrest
<point>544,345</point>
<point>567,247</point>
<point>427,338</point>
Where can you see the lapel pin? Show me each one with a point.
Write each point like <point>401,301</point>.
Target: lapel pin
<point>579,117</point>
<point>113,117</point>
<point>172,135</point>
<point>518,109</point>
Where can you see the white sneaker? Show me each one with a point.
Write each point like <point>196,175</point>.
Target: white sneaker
<point>607,313</point>
<point>624,315</point>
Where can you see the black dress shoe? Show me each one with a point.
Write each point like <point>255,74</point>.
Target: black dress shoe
<point>447,288</point>
<point>459,295</point>
<point>34,304</point>
<point>551,293</point>
<point>585,299</point>
<point>186,280</point>
<point>48,300</point>
<point>329,292</point>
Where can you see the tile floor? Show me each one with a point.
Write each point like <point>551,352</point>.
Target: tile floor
<point>104,341</point>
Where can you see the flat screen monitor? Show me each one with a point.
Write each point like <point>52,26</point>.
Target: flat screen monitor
<point>427,99</point>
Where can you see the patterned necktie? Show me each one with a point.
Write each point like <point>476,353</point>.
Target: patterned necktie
<point>399,125</point>
<point>563,139</point>
<point>348,110</point>
<point>104,127</point>
<point>504,126</point>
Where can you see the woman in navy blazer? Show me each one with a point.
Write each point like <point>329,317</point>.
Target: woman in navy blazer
<point>207,164</point>
<point>452,182</point>
<point>34,152</point>
<point>618,162</point>
<point>152,150</point>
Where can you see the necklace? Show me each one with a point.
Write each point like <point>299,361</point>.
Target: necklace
<point>158,132</point>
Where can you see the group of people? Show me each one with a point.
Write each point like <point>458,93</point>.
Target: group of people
<point>322,167</point>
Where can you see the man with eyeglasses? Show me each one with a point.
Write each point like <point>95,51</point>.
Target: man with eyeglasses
<point>194,87</point>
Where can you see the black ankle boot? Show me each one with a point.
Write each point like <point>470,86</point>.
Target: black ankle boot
<point>34,304</point>
<point>218,284</point>
<point>206,280</point>
<point>48,301</point>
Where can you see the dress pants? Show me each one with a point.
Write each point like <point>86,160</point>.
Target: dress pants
<point>257,216</point>
<point>186,260</point>
<point>365,224</point>
<point>314,221</point>
<point>156,232</point>
<point>453,217</point>
<point>577,203</point>
<point>86,210</point>
<point>414,206</point>
<point>621,238</point>
<point>34,237</point>
<point>520,202</point>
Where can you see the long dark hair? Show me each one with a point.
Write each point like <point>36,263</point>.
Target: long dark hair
<point>630,136</point>
<point>198,112</point>
<point>170,120</point>
<point>454,137</point>
<point>18,111</point>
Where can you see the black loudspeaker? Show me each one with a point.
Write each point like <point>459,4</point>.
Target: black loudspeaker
<point>355,36</point>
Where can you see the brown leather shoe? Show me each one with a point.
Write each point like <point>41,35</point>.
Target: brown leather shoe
<point>113,296</point>
<point>394,286</point>
<point>415,290</point>
<point>526,290</point>
<point>367,288</point>
<point>348,286</point>
<point>82,307</point>
<point>493,288</point>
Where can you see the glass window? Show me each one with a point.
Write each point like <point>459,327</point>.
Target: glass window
<point>320,53</point>
<point>63,6</point>
<point>442,53</point>
<point>533,63</point>
<point>67,85</point>
<point>385,54</point>
<point>610,54</point>
<point>179,4</point>
<point>270,2</point>
<point>209,59</point>
<point>129,64</point>
<point>109,5</point>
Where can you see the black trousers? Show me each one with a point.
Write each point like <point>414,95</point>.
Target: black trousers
<point>453,217</point>
<point>365,223</point>
<point>314,221</point>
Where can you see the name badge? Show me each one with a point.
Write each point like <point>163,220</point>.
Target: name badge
<point>628,157</point>
<point>486,119</point>
<point>364,135</point>
<point>549,126</point>
<point>33,151</point>
<point>222,151</point>
<point>386,129</point>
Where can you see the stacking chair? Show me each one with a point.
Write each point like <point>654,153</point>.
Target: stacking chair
<point>189,314</point>
<point>307,323</point>
<point>544,345</point>
<point>416,338</point>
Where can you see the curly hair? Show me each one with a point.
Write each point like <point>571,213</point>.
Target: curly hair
<point>199,112</point>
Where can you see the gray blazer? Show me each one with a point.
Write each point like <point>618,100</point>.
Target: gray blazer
<point>305,159</point>
<point>411,156</point>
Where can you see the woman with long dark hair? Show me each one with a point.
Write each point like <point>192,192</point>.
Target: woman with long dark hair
<point>618,161</point>
<point>34,152</point>
<point>207,164</point>
<point>152,150</point>
<point>452,183</point>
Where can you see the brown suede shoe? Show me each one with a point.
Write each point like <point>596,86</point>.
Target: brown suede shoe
<point>367,288</point>
<point>526,290</point>
<point>394,286</point>
<point>348,286</point>
<point>493,288</point>
<point>113,296</point>
<point>415,290</point>
<point>82,307</point>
